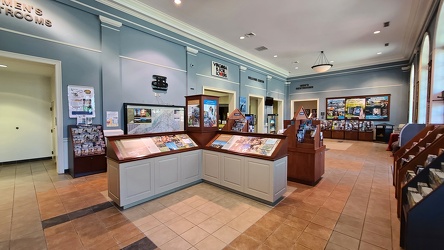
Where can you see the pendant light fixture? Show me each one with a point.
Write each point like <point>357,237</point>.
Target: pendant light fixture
<point>321,64</point>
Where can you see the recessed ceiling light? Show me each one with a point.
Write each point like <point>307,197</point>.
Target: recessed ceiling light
<point>296,67</point>
<point>242,37</point>
<point>377,32</point>
<point>177,1</point>
<point>379,53</point>
<point>3,66</point>
<point>332,61</point>
<point>275,56</point>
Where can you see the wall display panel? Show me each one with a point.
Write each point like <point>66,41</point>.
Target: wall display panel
<point>374,107</point>
<point>144,118</point>
<point>210,113</point>
<point>193,116</point>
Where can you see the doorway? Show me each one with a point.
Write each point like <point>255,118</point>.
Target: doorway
<point>278,108</point>
<point>227,102</point>
<point>311,106</point>
<point>35,120</point>
<point>257,107</point>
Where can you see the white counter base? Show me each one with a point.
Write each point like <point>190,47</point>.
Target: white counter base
<point>264,180</point>
<point>132,183</point>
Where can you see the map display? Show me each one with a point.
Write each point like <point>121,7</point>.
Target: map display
<point>246,144</point>
<point>142,119</point>
<point>140,147</point>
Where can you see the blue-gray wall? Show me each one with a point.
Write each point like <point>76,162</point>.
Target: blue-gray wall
<point>119,61</point>
<point>376,80</point>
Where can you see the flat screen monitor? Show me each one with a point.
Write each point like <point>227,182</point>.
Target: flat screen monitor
<point>268,101</point>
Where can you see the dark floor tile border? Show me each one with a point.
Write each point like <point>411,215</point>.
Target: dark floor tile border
<point>76,214</point>
<point>144,243</point>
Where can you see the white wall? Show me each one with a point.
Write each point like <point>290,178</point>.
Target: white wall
<point>25,100</point>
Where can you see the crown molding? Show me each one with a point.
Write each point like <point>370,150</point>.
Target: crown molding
<point>158,18</point>
<point>110,21</point>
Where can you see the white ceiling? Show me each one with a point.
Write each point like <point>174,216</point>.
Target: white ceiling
<point>294,30</point>
<point>26,67</point>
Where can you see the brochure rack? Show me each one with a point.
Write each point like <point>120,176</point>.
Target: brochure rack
<point>86,150</point>
<point>306,152</point>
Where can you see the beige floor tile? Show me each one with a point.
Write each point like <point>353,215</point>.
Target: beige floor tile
<point>211,225</point>
<point>176,244</point>
<point>165,215</point>
<point>179,226</point>
<point>226,234</point>
<point>348,230</point>
<point>162,235</point>
<point>333,246</point>
<point>195,235</point>
<point>378,229</point>
<point>196,217</point>
<point>210,243</point>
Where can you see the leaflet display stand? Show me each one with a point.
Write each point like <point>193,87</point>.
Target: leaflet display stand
<point>306,152</point>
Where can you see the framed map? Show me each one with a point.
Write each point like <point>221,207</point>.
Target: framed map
<point>146,118</point>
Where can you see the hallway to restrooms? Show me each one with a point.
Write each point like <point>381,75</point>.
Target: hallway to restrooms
<point>352,207</point>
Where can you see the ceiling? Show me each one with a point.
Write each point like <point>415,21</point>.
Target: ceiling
<point>26,67</point>
<point>295,30</point>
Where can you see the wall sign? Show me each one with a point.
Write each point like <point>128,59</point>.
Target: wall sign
<point>159,83</point>
<point>304,86</point>
<point>81,101</point>
<point>24,11</point>
<point>255,79</point>
<point>218,69</point>
<point>374,107</point>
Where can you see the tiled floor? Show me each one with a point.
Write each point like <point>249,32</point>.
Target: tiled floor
<point>353,207</point>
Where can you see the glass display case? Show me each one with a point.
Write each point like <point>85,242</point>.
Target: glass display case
<point>130,148</point>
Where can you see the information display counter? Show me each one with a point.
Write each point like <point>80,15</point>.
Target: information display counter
<point>146,166</point>
<point>252,164</point>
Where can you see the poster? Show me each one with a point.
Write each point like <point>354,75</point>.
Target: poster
<point>112,118</point>
<point>371,107</point>
<point>210,113</point>
<point>377,108</point>
<point>336,108</point>
<point>354,108</point>
<point>243,104</point>
<point>81,101</point>
<point>193,113</point>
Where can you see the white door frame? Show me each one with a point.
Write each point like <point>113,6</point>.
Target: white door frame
<point>281,113</point>
<point>231,94</point>
<point>260,112</point>
<point>60,157</point>
<point>302,100</point>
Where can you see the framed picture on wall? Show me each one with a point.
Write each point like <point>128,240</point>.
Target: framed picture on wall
<point>307,112</point>
<point>370,107</point>
<point>314,113</point>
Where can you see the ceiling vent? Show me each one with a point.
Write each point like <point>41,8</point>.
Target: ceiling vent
<point>386,24</point>
<point>261,48</point>
<point>248,35</point>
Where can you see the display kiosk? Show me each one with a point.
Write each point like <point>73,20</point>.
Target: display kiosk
<point>145,166</point>
<point>202,118</point>
<point>251,164</point>
<point>306,152</point>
